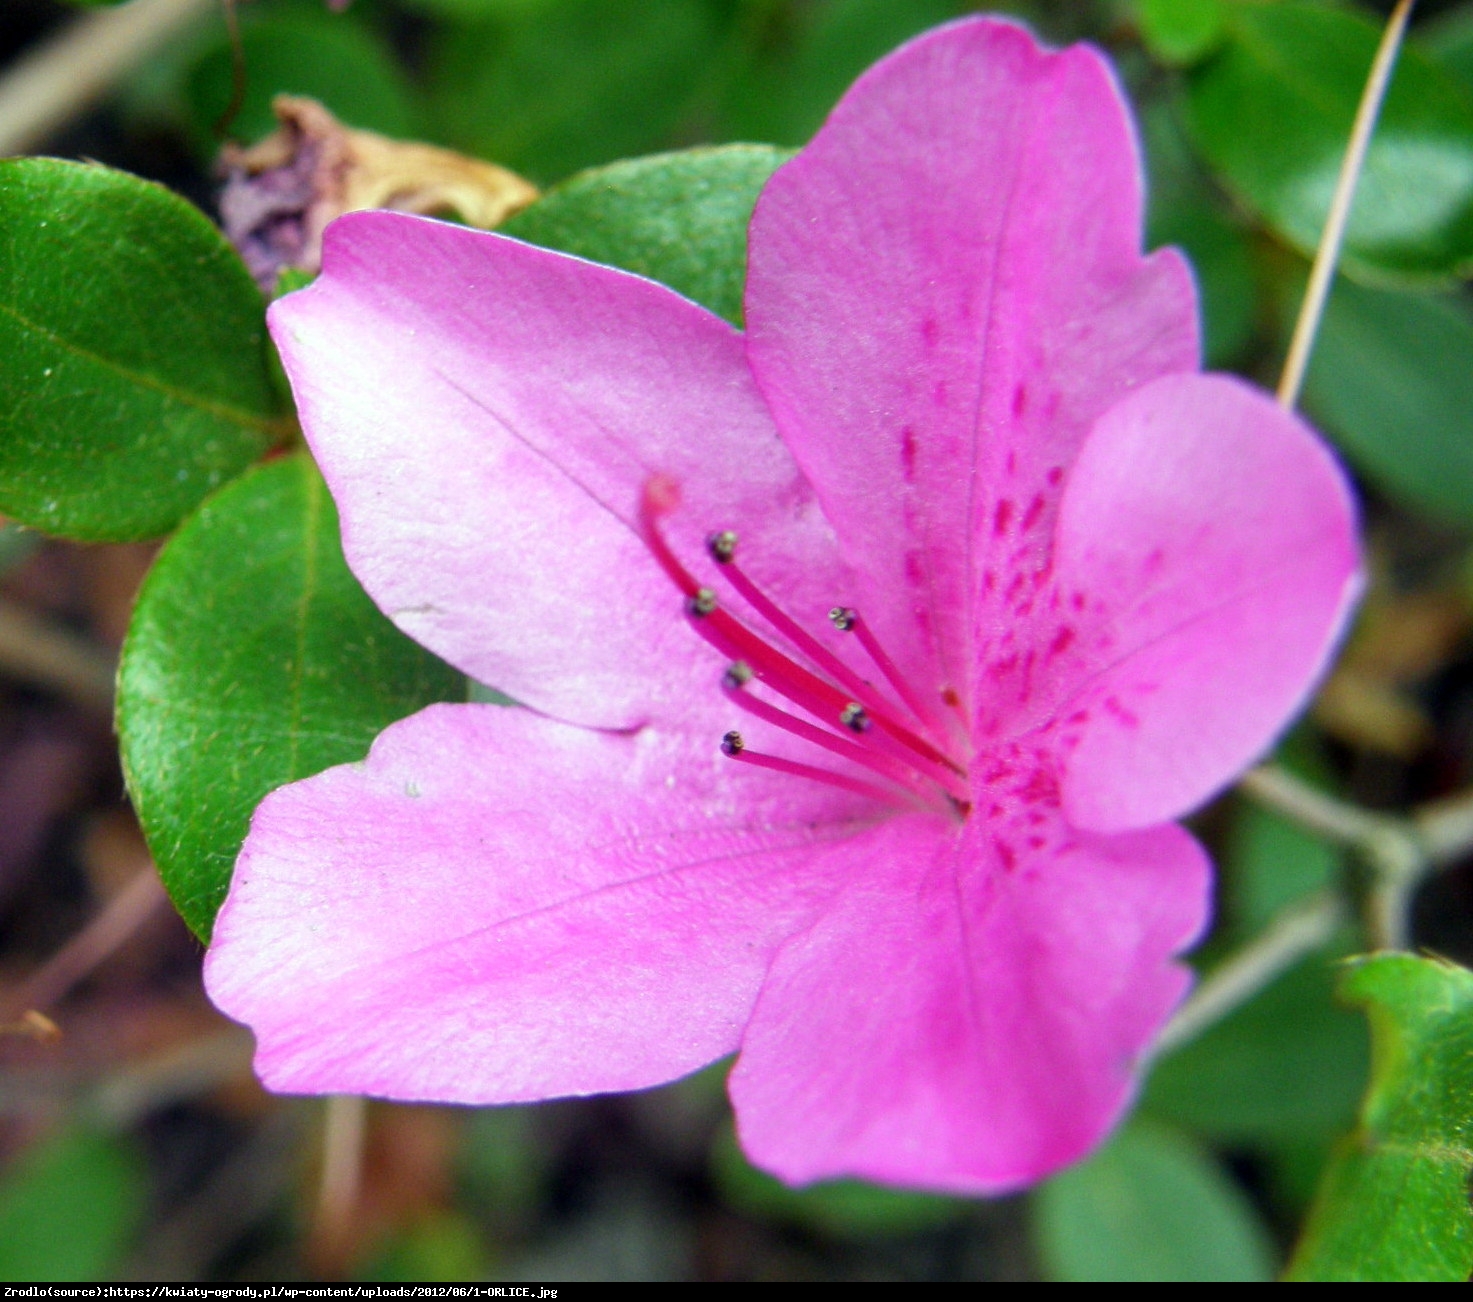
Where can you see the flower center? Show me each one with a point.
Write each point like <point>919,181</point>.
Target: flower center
<point>891,739</point>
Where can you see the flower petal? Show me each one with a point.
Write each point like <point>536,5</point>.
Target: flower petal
<point>945,291</point>
<point>495,906</point>
<point>967,1016</point>
<point>487,413</point>
<point>1210,539</point>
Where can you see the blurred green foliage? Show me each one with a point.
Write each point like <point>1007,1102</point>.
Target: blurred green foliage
<point>69,1208</point>
<point>1153,1206</point>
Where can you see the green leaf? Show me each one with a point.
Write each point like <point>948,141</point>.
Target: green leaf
<point>253,659</point>
<point>1272,112</point>
<point>680,219</point>
<point>330,57</point>
<point>1449,40</point>
<point>572,83</point>
<point>69,1208</point>
<point>1244,1081</point>
<point>133,364</point>
<point>1272,863</point>
<point>1150,1207</point>
<point>845,1209</point>
<point>1394,1203</point>
<point>1184,211</point>
<point>1181,31</point>
<point>1391,380</point>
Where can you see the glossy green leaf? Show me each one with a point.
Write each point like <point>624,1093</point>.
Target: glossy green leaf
<point>133,364</point>
<point>329,57</point>
<point>253,659</point>
<point>680,219</point>
<point>1272,111</point>
<point>845,1209</point>
<point>69,1208</point>
<point>572,83</point>
<point>1391,380</point>
<point>1394,1203</point>
<point>1149,1207</point>
<point>1181,31</point>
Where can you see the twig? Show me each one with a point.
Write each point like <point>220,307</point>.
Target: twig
<point>180,1072</point>
<point>122,916</point>
<point>35,651</point>
<point>1328,253</point>
<point>57,82</point>
<point>1296,933</point>
<point>344,1132</point>
<point>1399,851</point>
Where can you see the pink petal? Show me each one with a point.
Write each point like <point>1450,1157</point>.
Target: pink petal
<point>487,413</point>
<point>495,907</point>
<point>945,291</point>
<point>967,1016</point>
<point>1211,539</point>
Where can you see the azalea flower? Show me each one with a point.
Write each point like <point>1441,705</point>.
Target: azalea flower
<point>914,864</point>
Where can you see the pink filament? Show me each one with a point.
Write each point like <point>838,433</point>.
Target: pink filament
<point>881,763</point>
<point>784,675</point>
<point>818,775</point>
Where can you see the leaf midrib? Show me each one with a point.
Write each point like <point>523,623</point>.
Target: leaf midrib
<point>221,411</point>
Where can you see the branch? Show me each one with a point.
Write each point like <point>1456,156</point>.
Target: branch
<point>57,82</point>
<point>1328,253</point>
<point>1296,933</point>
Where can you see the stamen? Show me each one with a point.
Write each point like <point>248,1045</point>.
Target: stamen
<point>847,620</point>
<point>898,771</point>
<point>733,746</point>
<point>799,636</point>
<point>784,675</point>
<point>853,717</point>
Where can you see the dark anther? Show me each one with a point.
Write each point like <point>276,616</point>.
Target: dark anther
<point>843,618</point>
<point>702,604</point>
<point>722,546</point>
<point>732,743</point>
<point>738,674</point>
<point>854,717</point>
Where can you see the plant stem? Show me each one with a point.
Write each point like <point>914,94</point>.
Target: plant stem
<point>35,651</point>
<point>56,82</point>
<point>1328,253</point>
<point>1399,851</point>
<point>1296,933</point>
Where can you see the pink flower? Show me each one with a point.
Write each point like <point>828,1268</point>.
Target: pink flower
<point>965,407</point>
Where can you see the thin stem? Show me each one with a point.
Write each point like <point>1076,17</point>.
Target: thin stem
<point>1397,850</point>
<point>345,1129</point>
<point>35,651</point>
<point>1312,809</point>
<point>1295,934</point>
<point>57,81</point>
<point>1328,253</point>
<point>128,910</point>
